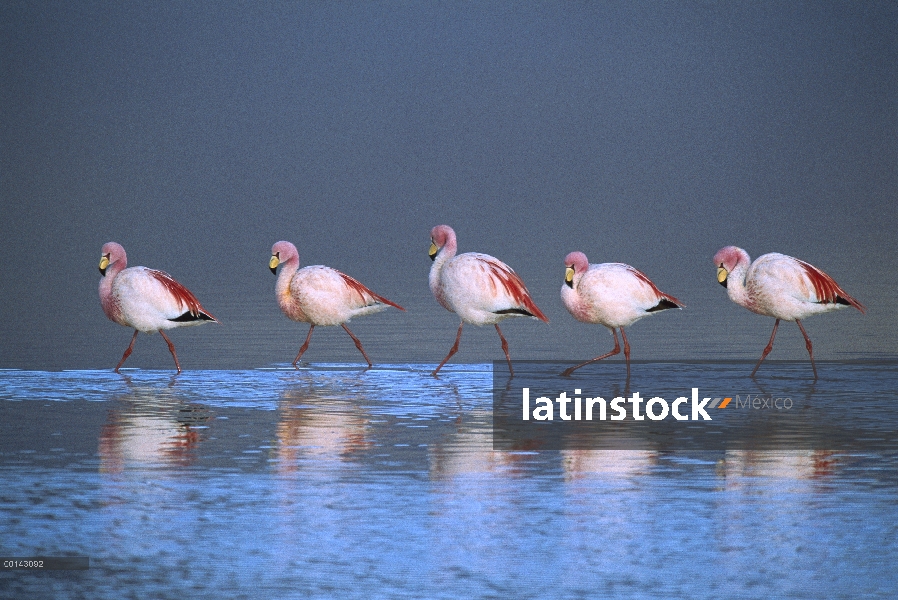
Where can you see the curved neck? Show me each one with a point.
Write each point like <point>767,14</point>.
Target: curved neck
<point>443,256</point>
<point>736,284</point>
<point>285,276</point>
<point>110,306</point>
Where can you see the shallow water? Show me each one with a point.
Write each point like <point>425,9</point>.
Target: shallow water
<point>339,482</point>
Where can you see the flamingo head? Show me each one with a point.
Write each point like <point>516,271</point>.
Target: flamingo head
<point>281,252</point>
<point>575,264</point>
<point>110,254</point>
<point>728,259</point>
<point>440,236</point>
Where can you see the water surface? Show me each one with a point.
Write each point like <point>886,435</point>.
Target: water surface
<point>335,481</point>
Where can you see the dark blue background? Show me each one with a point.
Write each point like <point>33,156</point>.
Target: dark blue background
<point>650,133</point>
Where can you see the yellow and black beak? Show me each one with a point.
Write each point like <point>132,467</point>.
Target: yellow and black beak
<point>569,277</point>
<point>433,251</point>
<point>104,264</point>
<point>273,264</point>
<point>722,275</point>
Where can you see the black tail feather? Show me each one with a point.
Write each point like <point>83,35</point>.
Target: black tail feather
<point>189,316</point>
<point>841,300</point>
<point>514,311</point>
<point>663,305</point>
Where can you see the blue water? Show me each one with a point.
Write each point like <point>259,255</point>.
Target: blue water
<point>339,482</point>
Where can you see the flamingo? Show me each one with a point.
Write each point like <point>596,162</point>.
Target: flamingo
<point>320,295</point>
<point>779,286</point>
<point>145,299</point>
<point>480,289</point>
<point>615,295</point>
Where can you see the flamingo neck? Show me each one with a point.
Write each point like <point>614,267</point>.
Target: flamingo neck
<point>110,303</point>
<point>736,289</point>
<point>445,254</point>
<point>285,276</point>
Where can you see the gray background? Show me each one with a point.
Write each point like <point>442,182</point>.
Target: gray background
<point>647,133</point>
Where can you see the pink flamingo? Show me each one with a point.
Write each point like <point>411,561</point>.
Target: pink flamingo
<point>480,289</point>
<point>611,294</point>
<point>145,299</point>
<point>320,295</point>
<point>781,287</point>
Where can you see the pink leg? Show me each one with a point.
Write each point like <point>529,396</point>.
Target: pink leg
<point>127,351</point>
<point>626,351</point>
<point>304,347</point>
<point>505,349</point>
<point>171,348</point>
<point>452,350</point>
<point>616,350</point>
<point>807,344</point>
<point>767,349</point>
<point>358,345</point>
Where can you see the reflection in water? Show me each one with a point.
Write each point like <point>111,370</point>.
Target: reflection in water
<point>578,464</point>
<point>780,464</point>
<point>335,483</point>
<point>794,464</point>
<point>318,423</point>
<point>468,449</point>
<point>322,434</point>
<point>150,426</point>
<point>478,507</point>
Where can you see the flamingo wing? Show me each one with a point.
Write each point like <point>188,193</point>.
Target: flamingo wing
<point>826,289</point>
<point>513,287</point>
<point>367,296</point>
<point>194,311</point>
<point>665,300</point>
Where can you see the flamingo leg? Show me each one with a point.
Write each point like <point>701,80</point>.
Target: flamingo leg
<point>127,351</point>
<point>767,349</point>
<point>171,348</point>
<point>626,351</point>
<point>358,345</point>
<point>505,349</point>
<point>304,347</point>
<point>616,350</point>
<point>807,343</point>
<point>452,350</point>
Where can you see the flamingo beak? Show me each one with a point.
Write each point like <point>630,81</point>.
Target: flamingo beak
<point>433,251</point>
<point>104,264</point>
<point>273,264</point>
<point>722,274</point>
<point>569,277</point>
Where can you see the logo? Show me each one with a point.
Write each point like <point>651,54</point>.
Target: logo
<point>656,409</point>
